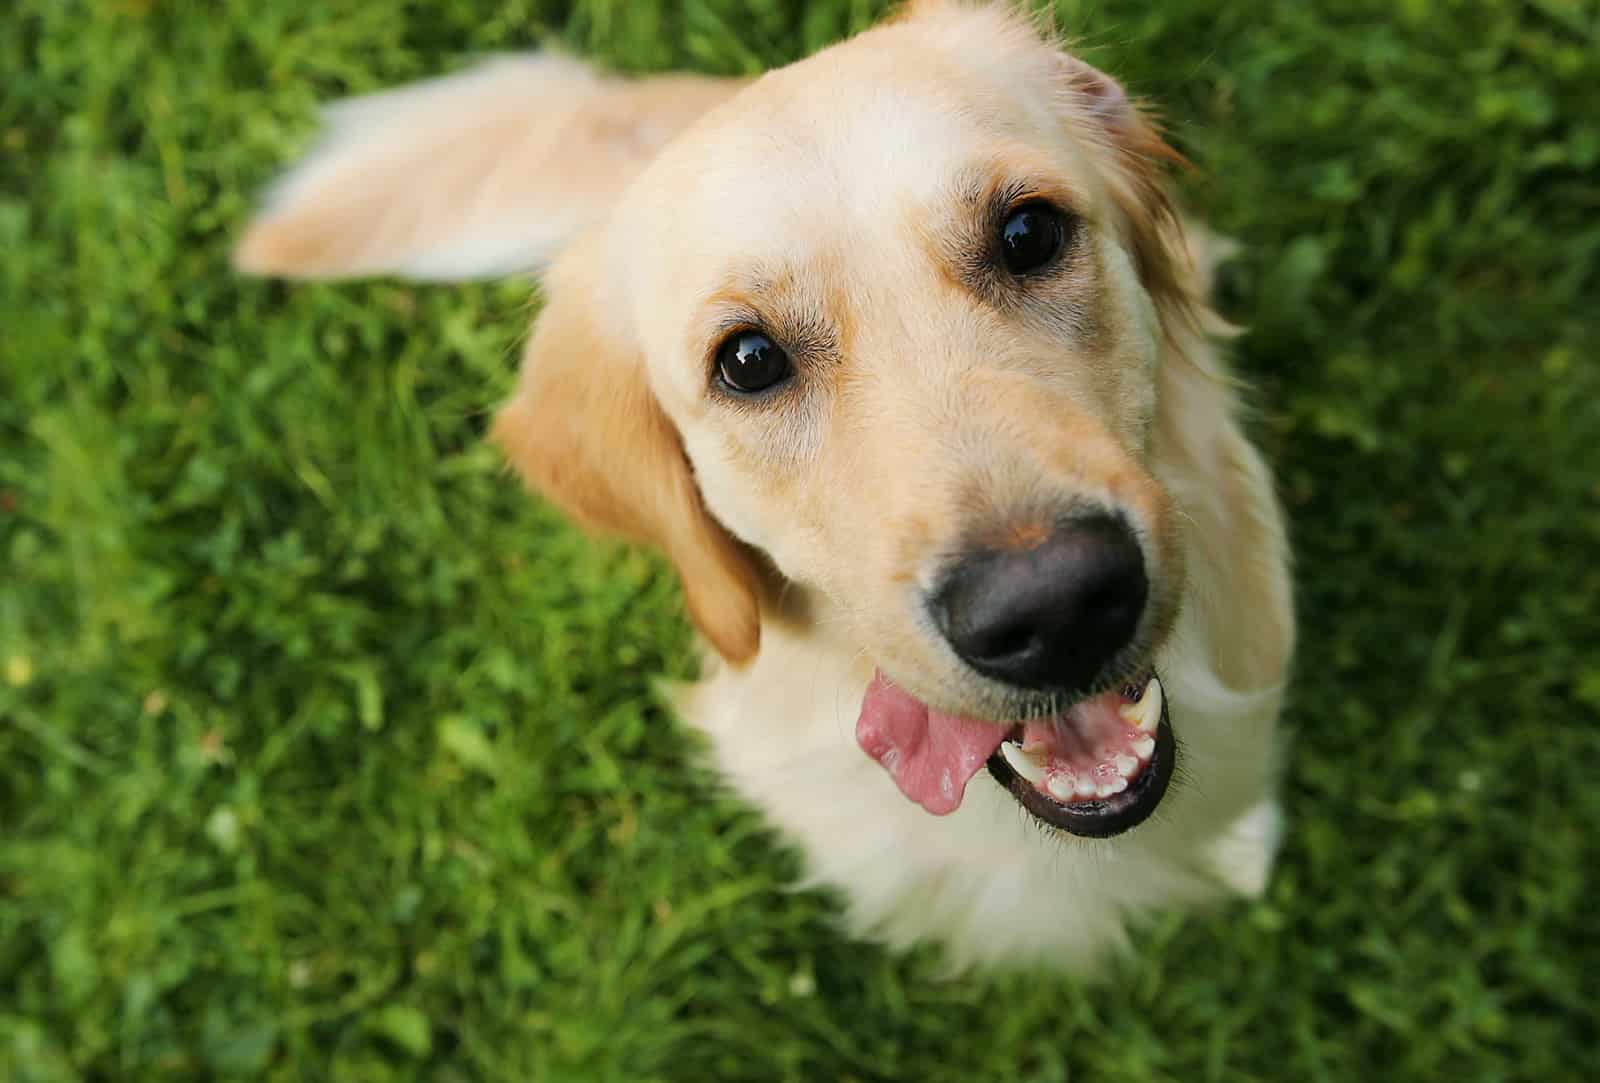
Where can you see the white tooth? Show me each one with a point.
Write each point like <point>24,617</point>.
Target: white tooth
<point>1145,713</point>
<point>1022,763</point>
<point>1086,788</point>
<point>1126,766</point>
<point>1116,785</point>
<point>1152,706</point>
<point>1060,787</point>
<point>1144,747</point>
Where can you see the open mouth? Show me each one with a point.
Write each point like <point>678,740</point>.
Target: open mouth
<point>1096,769</point>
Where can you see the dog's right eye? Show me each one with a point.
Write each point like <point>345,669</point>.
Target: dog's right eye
<point>749,361</point>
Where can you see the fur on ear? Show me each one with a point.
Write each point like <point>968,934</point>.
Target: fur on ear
<point>584,429</point>
<point>1137,157</point>
<point>483,173</point>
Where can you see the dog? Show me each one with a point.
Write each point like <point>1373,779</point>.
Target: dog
<point>901,354</point>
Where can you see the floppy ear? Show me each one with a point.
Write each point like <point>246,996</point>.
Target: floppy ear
<point>487,172</point>
<point>585,430</point>
<point>1135,159</point>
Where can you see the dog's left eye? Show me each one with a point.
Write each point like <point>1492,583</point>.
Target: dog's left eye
<point>1031,237</point>
<point>749,361</point>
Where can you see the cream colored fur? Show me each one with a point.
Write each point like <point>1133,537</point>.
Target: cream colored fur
<point>985,881</point>
<point>797,533</point>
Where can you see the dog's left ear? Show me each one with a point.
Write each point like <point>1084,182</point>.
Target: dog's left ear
<point>1135,162</point>
<point>584,429</point>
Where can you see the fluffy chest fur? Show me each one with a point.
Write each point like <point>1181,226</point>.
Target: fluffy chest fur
<point>986,881</point>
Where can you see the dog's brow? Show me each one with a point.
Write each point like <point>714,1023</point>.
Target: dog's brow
<point>991,185</point>
<point>775,301</point>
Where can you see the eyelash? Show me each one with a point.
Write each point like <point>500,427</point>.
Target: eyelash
<point>1012,196</point>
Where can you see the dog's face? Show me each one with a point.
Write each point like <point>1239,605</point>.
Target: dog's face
<point>898,328</point>
<point>896,315</point>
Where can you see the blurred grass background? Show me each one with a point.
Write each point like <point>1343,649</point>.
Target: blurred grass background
<point>325,754</point>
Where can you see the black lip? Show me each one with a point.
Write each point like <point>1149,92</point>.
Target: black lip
<point>1109,816</point>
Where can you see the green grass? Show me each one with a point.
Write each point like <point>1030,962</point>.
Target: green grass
<point>325,754</point>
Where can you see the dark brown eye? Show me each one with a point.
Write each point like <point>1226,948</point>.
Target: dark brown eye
<point>1031,237</point>
<point>750,361</point>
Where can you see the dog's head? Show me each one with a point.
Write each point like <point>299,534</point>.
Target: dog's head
<point>887,325</point>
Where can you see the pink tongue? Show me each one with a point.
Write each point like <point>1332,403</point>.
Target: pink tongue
<point>931,756</point>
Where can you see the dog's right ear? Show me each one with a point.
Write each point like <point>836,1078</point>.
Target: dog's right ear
<point>487,172</point>
<point>585,430</point>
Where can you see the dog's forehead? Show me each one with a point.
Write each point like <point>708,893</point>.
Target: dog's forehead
<point>794,174</point>
<point>825,156</point>
<point>837,161</point>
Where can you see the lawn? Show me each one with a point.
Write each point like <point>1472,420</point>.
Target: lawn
<point>325,754</point>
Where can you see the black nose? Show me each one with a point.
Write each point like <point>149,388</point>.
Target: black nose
<point>1050,616</point>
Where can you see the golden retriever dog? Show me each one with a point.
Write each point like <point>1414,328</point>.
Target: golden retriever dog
<point>901,357</point>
